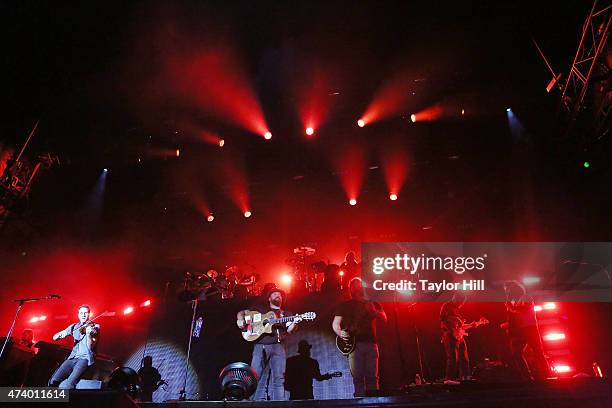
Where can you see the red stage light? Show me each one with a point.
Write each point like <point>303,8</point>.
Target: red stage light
<point>221,143</point>
<point>562,368</point>
<point>392,196</point>
<point>128,310</point>
<point>309,131</point>
<point>360,123</point>
<point>247,214</point>
<point>267,135</point>
<point>538,308</point>
<point>554,336</point>
<point>286,278</point>
<point>352,201</point>
<point>42,318</point>
<point>210,218</point>
<point>178,152</point>
<point>147,303</point>
<point>341,273</point>
<point>34,319</point>
<point>413,118</point>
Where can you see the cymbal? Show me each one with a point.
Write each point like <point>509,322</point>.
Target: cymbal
<point>304,251</point>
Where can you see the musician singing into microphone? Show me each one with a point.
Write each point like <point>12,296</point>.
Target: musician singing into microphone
<point>269,348</point>
<point>85,335</point>
<point>357,317</point>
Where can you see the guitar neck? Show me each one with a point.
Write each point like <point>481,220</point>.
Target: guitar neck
<point>282,319</point>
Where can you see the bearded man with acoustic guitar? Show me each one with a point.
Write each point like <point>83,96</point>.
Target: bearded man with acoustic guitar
<point>355,325</point>
<point>269,347</point>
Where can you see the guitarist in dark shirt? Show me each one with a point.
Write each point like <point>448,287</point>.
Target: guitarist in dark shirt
<point>269,348</point>
<point>355,320</point>
<point>451,322</point>
<point>522,330</point>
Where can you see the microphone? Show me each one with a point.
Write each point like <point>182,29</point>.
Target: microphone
<point>53,296</point>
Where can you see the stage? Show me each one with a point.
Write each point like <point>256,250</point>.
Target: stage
<point>578,392</point>
<point>574,393</point>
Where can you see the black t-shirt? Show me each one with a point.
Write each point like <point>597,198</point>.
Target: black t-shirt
<point>357,321</point>
<point>521,315</point>
<point>279,331</point>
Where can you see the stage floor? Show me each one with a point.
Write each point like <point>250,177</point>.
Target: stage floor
<point>570,393</point>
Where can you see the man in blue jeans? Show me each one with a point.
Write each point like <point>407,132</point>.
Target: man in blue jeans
<point>269,349</point>
<point>357,318</point>
<point>83,351</point>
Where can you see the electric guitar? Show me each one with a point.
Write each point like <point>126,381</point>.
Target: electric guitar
<point>257,323</point>
<point>345,346</point>
<point>462,331</point>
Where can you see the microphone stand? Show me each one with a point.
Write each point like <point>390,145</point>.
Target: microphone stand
<point>183,392</point>
<point>19,306</point>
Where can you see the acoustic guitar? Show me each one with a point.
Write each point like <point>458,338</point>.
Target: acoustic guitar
<point>257,323</point>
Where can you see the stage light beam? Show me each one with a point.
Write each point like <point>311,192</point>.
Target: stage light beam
<point>392,196</point>
<point>146,303</point>
<point>210,218</point>
<point>268,135</point>
<point>413,118</point>
<point>247,214</point>
<point>360,123</point>
<point>352,201</point>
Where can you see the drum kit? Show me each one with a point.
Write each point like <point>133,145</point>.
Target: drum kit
<point>237,282</point>
<point>233,282</point>
<point>307,276</point>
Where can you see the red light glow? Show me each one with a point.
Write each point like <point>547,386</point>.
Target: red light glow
<point>34,319</point>
<point>352,201</point>
<point>554,336</point>
<point>389,100</point>
<point>210,218</point>
<point>147,303</point>
<point>214,80</point>
<point>247,214</point>
<point>392,196</point>
<point>562,368</point>
<point>428,114</point>
<point>42,318</point>
<point>286,279</point>
<point>221,143</point>
<point>178,152</point>
<point>267,135</point>
<point>309,131</point>
<point>128,310</point>
<point>360,123</point>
